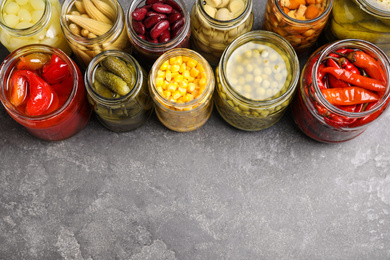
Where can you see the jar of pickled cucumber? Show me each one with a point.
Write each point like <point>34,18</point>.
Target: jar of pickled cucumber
<point>152,36</point>
<point>117,89</point>
<point>216,23</point>
<point>94,26</point>
<point>256,80</point>
<point>181,83</point>
<point>361,19</point>
<point>300,21</point>
<point>25,22</point>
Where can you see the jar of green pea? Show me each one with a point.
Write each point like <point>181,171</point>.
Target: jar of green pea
<point>256,80</point>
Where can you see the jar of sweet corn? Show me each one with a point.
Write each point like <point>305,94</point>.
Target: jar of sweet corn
<point>181,83</point>
<point>256,80</point>
<point>216,23</point>
<point>117,89</point>
<point>25,22</point>
<point>94,26</point>
<point>300,21</point>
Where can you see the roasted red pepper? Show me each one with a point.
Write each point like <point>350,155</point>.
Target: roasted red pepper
<point>349,96</point>
<point>356,79</point>
<point>55,71</point>
<point>18,89</point>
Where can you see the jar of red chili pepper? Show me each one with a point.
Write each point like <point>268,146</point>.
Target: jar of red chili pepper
<point>298,21</point>
<point>43,90</point>
<point>157,26</point>
<point>344,87</point>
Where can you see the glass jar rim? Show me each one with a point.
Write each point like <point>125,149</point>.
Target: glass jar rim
<point>115,29</point>
<point>228,23</point>
<point>321,16</point>
<point>256,36</point>
<point>90,75</point>
<point>182,52</point>
<point>151,46</point>
<point>347,43</point>
<point>9,63</point>
<point>373,10</point>
<point>32,30</point>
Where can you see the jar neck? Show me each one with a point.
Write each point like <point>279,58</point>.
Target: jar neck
<point>351,44</point>
<point>158,47</point>
<point>90,76</point>
<point>7,68</point>
<point>113,33</point>
<point>373,10</point>
<point>259,36</point>
<point>29,31</point>
<point>323,15</point>
<point>218,24</point>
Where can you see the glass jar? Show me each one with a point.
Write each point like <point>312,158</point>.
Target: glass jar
<point>183,116</point>
<point>88,38</point>
<point>210,36</point>
<point>328,123</point>
<point>31,22</point>
<point>126,112</point>
<point>300,31</point>
<point>148,52</point>
<point>360,20</point>
<point>256,80</point>
<point>66,120</point>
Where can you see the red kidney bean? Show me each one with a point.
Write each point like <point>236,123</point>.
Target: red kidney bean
<point>150,39</point>
<point>152,20</point>
<point>142,36</point>
<point>174,5</point>
<point>148,7</point>
<point>165,36</point>
<point>159,28</point>
<point>139,14</point>
<point>162,8</point>
<point>152,13</point>
<point>174,17</point>
<point>177,24</point>
<point>139,27</point>
<point>150,2</point>
<point>176,32</point>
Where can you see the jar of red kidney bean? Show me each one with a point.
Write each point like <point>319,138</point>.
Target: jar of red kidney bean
<point>156,26</point>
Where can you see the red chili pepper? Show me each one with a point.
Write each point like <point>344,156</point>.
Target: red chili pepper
<point>42,99</point>
<point>365,61</point>
<point>18,89</point>
<point>333,81</point>
<point>56,70</point>
<point>356,79</point>
<point>372,117</point>
<point>346,64</point>
<point>349,96</point>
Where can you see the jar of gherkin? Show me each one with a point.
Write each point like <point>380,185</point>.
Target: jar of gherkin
<point>117,89</point>
<point>256,80</point>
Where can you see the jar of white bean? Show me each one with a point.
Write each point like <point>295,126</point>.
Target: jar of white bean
<point>256,80</point>
<point>25,22</point>
<point>216,23</point>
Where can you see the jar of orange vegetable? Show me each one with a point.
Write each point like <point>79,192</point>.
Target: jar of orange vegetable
<point>181,83</point>
<point>344,88</point>
<point>298,21</point>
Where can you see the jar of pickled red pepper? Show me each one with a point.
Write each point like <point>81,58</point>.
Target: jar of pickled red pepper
<point>117,89</point>
<point>344,87</point>
<point>152,36</point>
<point>94,26</point>
<point>256,80</point>
<point>216,23</point>
<point>181,83</point>
<point>31,22</point>
<point>43,90</point>
<point>367,20</point>
<point>298,21</point>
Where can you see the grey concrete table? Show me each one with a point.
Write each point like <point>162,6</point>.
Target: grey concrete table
<point>214,193</point>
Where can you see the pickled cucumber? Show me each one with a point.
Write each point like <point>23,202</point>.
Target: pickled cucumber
<point>112,81</point>
<point>119,68</point>
<point>103,91</point>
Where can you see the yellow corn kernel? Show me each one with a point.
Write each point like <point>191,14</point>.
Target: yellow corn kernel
<point>187,98</point>
<point>178,78</point>
<point>202,82</point>
<point>175,68</point>
<point>167,94</point>
<point>191,62</point>
<point>191,87</point>
<point>165,65</point>
<point>203,74</point>
<point>165,85</point>
<point>160,74</point>
<point>200,67</point>
<point>182,90</point>
<point>182,67</point>
<point>168,75</point>
<point>183,83</point>
<point>172,87</point>
<point>186,74</point>
<point>159,82</point>
<point>185,58</point>
<point>159,89</point>
<point>174,75</point>
<point>176,95</point>
<point>191,79</point>
<point>194,72</point>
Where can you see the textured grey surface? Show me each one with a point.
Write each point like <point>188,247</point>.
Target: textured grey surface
<point>215,193</point>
